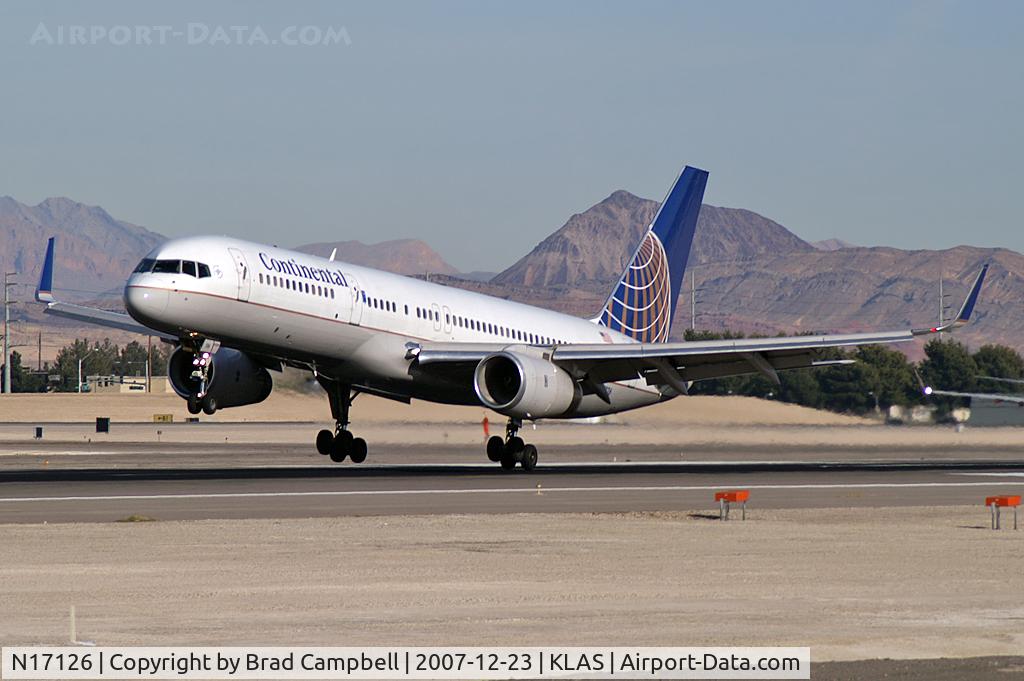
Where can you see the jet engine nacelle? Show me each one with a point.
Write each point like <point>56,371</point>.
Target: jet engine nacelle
<point>523,385</point>
<point>234,378</point>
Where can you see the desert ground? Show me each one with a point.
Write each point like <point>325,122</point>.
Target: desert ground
<point>870,583</point>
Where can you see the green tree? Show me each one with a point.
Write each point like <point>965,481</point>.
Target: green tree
<point>159,356</point>
<point>801,386</point>
<point>896,383</point>
<point>948,366</point>
<point>23,380</point>
<point>97,359</point>
<point>849,388</point>
<point>132,360</point>
<point>999,361</point>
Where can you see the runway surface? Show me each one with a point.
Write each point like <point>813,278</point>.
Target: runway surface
<point>65,485</point>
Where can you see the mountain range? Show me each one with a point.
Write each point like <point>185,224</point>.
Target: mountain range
<point>751,273</point>
<point>401,256</point>
<point>97,250</point>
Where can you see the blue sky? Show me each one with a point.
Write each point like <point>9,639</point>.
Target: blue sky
<point>481,126</point>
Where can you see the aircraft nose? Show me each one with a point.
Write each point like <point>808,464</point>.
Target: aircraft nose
<point>145,304</point>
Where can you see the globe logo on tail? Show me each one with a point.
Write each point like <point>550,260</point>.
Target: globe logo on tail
<point>641,305</point>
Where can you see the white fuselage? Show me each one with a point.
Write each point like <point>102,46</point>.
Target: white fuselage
<point>354,322</point>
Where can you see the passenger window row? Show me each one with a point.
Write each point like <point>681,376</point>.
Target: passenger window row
<point>381,304</point>
<point>295,285</point>
<point>487,327</point>
<point>189,267</point>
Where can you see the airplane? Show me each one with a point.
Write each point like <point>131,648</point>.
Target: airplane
<point>237,310</point>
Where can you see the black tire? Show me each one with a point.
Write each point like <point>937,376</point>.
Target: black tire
<point>508,461</point>
<point>357,452</point>
<point>209,405</point>
<point>514,446</point>
<point>193,405</point>
<point>341,445</point>
<point>529,461</point>
<point>495,448</point>
<point>324,440</point>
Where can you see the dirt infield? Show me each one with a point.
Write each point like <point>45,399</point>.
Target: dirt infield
<point>695,424</point>
<point>286,405</point>
<point>870,583</point>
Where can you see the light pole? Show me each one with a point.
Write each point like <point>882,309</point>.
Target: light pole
<point>7,330</point>
<point>80,360</point>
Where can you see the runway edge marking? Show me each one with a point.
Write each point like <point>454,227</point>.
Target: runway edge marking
<point>500,490</point>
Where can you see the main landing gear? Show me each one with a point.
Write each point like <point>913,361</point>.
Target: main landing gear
<point>512,449</point>
<point>341,443</point>
<point>200,400</point>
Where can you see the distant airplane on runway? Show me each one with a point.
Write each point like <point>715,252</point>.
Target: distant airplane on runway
<point>237,309</point>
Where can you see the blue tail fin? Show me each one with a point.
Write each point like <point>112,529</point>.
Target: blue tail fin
<point>44,292</point>
<point>644,301</point>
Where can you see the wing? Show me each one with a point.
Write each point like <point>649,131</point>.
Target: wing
<point>81,313</point>
<point>1017,381</point>
<point>677,364</point>
<point>1014,399</point>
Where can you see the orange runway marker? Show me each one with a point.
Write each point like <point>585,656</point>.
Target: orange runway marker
<point>735,496</point>
<point>999,501</point>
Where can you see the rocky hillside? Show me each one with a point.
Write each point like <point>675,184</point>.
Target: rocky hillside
<point>751,273</point>
<point>593,246</point>
<point>832,244</point>
<point>402,256</point>
<point>95,252</point>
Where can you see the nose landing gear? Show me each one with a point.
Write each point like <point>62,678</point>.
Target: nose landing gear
<point>201,400</point>
<point>512,449</point>
<point>341,443</point>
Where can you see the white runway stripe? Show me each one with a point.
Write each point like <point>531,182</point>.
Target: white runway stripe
<point>506,490</point>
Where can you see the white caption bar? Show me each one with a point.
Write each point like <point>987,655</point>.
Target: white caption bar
<point>404,663</point>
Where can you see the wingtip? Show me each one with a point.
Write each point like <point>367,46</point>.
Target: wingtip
<point>966,310</point>
<point>972,298</point>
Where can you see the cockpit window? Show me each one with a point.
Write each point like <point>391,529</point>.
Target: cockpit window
<point>167,267</point>
<point>145,266</point>
<point>189,267</point>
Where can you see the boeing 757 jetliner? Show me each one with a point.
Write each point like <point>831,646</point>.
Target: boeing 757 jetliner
<point>237,310</point>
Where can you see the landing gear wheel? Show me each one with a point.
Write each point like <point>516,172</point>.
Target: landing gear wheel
<point>209,405</point>
<point>495,448</point>
<point>341,446</point>
<point>324,440</point>
<point>529,459</point>
<point>357,452</point>
<point>508,460</point>
<point>514,445</point>
<point>193,405</point>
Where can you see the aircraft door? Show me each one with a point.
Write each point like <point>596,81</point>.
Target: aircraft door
<point>357,299</point>
<point>244,275</point>
<point>446,319</point>
<point>436,313</point>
